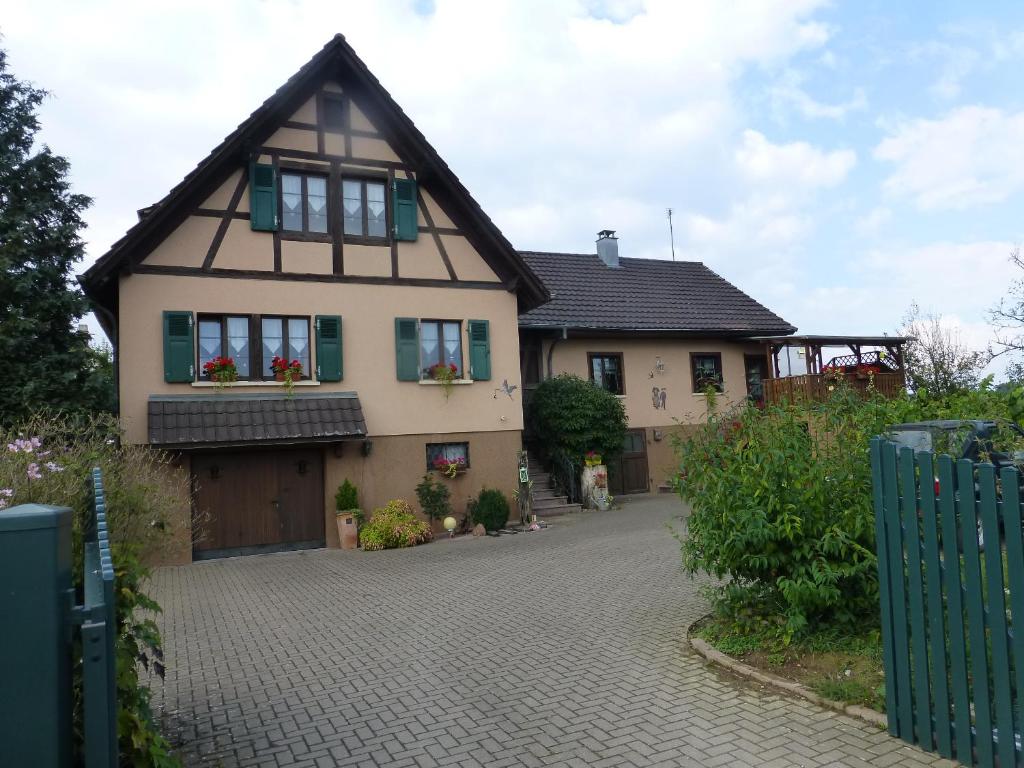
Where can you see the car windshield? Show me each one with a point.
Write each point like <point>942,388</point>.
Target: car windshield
<point>936,439</point>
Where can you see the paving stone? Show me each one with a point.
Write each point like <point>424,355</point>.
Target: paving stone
<point>559,648</point>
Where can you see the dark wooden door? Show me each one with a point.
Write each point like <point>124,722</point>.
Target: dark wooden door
<point>258,500</point>
<point>628,472</point>
<point>755,368</point>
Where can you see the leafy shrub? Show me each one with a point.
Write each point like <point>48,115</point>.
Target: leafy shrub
<point>571,416</point>
<point>394,526</point>
<point>347,497</point>
<point>49,460</point>
<point>782,507</point>
<point>434,497</point>
<point>490,509</point>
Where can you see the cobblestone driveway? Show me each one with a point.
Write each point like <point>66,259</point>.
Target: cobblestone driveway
<point>564,647</point>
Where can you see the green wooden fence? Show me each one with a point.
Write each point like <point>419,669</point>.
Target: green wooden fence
<point>951,579</point>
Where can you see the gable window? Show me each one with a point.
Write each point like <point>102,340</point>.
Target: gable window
<point>440,344</point>
<point>364,208</point>
<point>707,370</point>
<point>303,203</point>
<point>440,454</point>
<point>225,336</point>
<point>286,337</point>
<point>606,371</point>
<point>334,114</point>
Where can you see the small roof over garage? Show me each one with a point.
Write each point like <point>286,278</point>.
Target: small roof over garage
<point>185,421</point>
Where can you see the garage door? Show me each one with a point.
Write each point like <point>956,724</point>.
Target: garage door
<point>258,501</point>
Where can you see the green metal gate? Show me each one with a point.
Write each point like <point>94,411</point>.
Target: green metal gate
<point>951,578</point>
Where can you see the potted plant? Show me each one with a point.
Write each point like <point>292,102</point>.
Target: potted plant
<point>445,375</point>
<point>221,370</point>
<point>286,371</point>
<point>449,467</point>
<point>348,515</point>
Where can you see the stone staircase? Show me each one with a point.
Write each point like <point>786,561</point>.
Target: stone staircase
<point>545,503</point>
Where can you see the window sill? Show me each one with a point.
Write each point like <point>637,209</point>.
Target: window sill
<point>432,383</point>
<point>232,385</point>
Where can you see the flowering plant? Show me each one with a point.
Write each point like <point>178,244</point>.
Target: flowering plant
<point>592,458</point>
<point>449,467</point>
<point>221,370</point>
<point>445,374</point>
<point>286,371</point>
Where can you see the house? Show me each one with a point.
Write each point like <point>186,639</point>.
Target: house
<point>326,230</point>
<point>656,333</point>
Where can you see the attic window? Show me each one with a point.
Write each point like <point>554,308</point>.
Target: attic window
<point>334,114</point>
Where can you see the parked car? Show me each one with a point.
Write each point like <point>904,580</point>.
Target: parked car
<point>997,441</point>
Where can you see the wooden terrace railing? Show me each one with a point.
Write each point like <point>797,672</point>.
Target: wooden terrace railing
<point>815,386</point>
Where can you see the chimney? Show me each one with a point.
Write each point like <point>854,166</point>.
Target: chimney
<point>608,247</point>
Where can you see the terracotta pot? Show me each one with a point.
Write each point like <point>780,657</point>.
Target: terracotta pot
<point>348,531</point>
<point>278,377</point>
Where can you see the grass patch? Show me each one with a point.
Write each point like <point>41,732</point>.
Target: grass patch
<point>837,666</point>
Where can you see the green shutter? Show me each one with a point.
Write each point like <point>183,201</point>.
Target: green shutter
<point>329,366</point>
<point>403,203</point>
<point>479,350</point>
<point>179,349</point>
<point>407,348</point>
<point>262,197</point>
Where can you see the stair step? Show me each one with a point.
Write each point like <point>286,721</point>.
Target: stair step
<point>543,493</point>
<point>561,509</point>
<point>551,501</point>
<point>666,488</point>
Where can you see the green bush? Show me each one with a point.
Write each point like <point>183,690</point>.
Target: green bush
<point>490,509</point>
<point>571,416</point>
<point>347,497</point>
<point>782,507</point>
<point>49,460</point>
<point>434,497</point>
<point>394,526</point>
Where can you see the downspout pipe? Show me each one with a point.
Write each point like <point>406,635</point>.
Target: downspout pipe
<point>551,349</point>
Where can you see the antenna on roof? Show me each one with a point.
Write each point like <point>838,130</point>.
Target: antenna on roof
<point>671,233</point>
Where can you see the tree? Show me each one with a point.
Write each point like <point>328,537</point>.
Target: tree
<point>48,362</point>
<point>1007,319</point>
<point>571,416</point>
<point>935,358</point>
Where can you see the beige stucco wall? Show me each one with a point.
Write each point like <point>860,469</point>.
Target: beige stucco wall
<point>397,464</point>
<point>391,407</point>
<point>639,356</point>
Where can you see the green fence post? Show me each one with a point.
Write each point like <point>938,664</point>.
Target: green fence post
<point>975,603</point>
<point>35,646</point>
<point>884,588</point>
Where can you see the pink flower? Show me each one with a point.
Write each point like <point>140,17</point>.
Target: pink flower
<point>33,472</point>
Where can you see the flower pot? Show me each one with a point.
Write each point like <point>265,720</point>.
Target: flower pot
<point>278,377</point>
<point>348,531</point>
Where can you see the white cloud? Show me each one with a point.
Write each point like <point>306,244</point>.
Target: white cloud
<point>789,92</point>
<point>797,166</point>
<point>972,156</point>
<point>872,221</point>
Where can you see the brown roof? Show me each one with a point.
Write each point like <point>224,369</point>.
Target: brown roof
<point>184,421</point>
<point>644,295</point>
<point>335,59</point>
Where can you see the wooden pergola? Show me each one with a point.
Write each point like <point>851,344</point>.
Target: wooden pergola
<point>874,361</point>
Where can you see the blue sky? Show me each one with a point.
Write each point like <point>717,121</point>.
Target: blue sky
<point>835,160</point>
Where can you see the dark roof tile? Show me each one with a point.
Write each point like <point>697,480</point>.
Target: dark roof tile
<point>642,295</point>
<point>186,422</point>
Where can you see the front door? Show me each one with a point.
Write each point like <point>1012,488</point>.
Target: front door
<point>628,472</point>
<point>257,501</point>
<point>755,368</point>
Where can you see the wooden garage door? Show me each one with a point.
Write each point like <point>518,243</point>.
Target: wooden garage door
<point>258,501</point>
